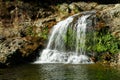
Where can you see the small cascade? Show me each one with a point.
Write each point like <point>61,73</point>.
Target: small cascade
<point>67,42</point>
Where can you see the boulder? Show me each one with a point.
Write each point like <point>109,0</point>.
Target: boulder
<point>19,50</point>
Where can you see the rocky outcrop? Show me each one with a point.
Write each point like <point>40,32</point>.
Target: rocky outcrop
<point>108,17</point>
<point>24,26</point>
<point>19,50</point>
<point>111,17</point>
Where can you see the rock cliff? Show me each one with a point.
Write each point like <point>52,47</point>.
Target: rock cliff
<point>24,25</point>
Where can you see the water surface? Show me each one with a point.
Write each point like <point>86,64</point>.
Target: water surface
<point>60,72</point>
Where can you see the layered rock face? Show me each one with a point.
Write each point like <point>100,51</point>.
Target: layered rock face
<point>24,26</point>
<point>111,17</point>
<point>20,35</point>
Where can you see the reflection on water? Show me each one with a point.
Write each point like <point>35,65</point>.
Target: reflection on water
<point>60,72</point>
<point>64,72</point>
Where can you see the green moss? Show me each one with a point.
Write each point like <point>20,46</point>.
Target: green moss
<point>70,39</point>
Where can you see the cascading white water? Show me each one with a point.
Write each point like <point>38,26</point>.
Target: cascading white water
<point>67,41</point>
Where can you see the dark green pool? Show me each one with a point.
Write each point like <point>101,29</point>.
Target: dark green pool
<point>60,72</point>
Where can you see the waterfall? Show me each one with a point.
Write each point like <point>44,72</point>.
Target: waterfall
<point>67,42</point>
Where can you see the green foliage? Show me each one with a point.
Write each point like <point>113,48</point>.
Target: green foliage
<point>104,42</point>
<point>90,41</point>
<point>31,30</point>
<point>70,39</point>
<point>96,41</point>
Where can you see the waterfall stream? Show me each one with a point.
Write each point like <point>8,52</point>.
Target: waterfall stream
<point>67,42</point>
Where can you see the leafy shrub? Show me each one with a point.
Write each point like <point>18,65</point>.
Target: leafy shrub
<point>104,42</point>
